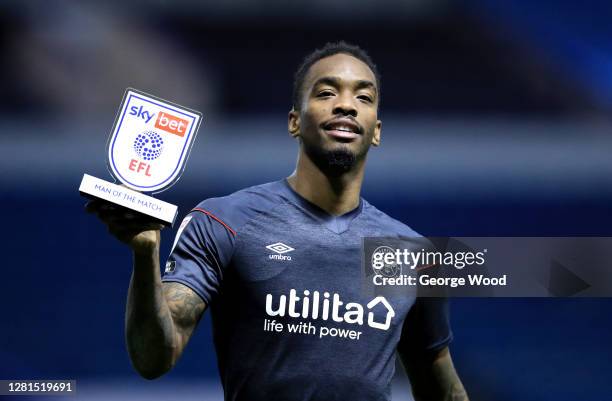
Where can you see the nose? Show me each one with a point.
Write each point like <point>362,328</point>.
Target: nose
<point>345,106</point>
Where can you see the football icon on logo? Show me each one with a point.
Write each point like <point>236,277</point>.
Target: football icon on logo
<point>150,142</point>
<point>149,145</point>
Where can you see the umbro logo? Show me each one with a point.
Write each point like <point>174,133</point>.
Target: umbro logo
<point>279,248</point>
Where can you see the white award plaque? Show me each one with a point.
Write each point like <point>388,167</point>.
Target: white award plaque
<point>146,152</point>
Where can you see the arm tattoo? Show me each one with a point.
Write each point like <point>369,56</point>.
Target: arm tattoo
<point>186,308</point>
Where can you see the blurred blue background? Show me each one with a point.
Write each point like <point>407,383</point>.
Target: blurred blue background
<point>496,121</point>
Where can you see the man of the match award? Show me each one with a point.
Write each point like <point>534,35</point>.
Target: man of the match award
<point>146,152</point>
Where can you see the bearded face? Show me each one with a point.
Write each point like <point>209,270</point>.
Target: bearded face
<point>337,121</point>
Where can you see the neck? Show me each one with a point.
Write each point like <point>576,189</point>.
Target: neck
<point>335,195</point>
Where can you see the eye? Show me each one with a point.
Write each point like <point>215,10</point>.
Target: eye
<point>325,93</point>
<point>365,98</point>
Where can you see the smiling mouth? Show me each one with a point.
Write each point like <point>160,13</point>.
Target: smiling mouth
<point>342,129</point>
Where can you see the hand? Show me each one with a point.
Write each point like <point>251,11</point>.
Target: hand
<point>139,232</point>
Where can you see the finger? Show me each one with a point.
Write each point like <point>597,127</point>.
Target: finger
<point>121,225</point>
<point>125,235</point>
<point>114,212</point>
<point>93,205</point>
<point>128,219</point>
<point>119,216</point>
<point>98,205</point>
<point>110,216</point>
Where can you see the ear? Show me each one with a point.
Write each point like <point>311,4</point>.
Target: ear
<point>294,123</point>
<point>376,137</point>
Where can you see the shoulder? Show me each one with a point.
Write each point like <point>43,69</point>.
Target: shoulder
<point>389,225</point>
<point>236,209</point>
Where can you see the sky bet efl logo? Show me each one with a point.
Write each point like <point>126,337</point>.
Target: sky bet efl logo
<point>150,142</point>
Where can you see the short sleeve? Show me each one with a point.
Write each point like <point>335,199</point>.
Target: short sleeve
<point>427,327</point>
<point>202,249</point>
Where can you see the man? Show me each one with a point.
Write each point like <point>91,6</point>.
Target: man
<point>279,266</point>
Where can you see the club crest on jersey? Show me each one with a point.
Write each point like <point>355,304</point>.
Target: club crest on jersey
<point>170,266</point>
<point>279,250</point>
<point>150,142</point>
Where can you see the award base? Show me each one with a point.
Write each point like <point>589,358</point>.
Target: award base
<point>163,212</point>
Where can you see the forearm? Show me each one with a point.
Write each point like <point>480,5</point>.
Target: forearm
<point>434,378</point>
<point>150,330</point>
<point>450,384</point>
<point>447,387</point>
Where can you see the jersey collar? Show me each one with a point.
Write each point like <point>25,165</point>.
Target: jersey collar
<point>336,224</point>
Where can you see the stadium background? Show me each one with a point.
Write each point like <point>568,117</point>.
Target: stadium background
<point>496,122</point>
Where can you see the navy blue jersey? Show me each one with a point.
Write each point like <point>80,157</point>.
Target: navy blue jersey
<point>281,278</point>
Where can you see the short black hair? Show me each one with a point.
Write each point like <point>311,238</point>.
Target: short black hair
<point>330,49</point>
